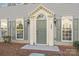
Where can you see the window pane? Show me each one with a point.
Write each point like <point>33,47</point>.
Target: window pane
<point>66,29</point>
<point>4,27</point>
<point>19,28</point>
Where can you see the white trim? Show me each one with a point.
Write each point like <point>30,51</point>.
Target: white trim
<point>50,31</point>
<point>31,32</point>
<point>49,17</point>
<point>40,5</point>
<point>35,31</point>
<point>46,29</point>
<point>67,17</point>
<point>23,28</point>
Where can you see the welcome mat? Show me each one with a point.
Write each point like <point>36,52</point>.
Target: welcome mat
<point>41,47</point>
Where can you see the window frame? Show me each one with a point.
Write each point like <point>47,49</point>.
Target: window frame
<point>63,18</point>
<point>6,29</point>
<point>20,19</point>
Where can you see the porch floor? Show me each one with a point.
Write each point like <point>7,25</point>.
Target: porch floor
<point>41,47</point>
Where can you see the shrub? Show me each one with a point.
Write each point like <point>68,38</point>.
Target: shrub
<point>7,39</point>
<point>76,44</point>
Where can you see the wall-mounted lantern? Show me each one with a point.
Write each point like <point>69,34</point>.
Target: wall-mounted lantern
<point>28,21</point>
<point>55,21</point>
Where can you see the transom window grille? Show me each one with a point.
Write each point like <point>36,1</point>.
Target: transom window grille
<point>41,17</point>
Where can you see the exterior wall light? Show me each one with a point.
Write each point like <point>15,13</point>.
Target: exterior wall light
<point>28,21</point>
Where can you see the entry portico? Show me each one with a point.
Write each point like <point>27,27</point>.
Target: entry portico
<point>42,26</point>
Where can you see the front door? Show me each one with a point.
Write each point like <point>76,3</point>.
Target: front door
<point>41,32</point>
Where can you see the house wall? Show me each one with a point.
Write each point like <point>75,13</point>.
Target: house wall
<point>11,13</point>
<point>11,24</point>
<point>75,31</point>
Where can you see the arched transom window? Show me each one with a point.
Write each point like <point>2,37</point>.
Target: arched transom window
<point>41,17</point>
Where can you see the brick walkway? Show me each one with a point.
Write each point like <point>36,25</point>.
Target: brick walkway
<point>13,49</point>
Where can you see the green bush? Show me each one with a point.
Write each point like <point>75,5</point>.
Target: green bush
<point>76,44</point>
<point>7,39</point>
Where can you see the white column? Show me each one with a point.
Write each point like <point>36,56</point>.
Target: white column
<point>47,33</point>
<point>50,31</point>
<point>34,31</point>
<point>31,32</point>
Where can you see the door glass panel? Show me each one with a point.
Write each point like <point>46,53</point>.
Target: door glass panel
<point>41,30</point>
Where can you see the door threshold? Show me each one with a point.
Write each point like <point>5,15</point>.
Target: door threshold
<point>41,44</point>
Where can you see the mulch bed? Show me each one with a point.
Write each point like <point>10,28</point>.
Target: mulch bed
<point>13,49</point>
<point>67,50</point>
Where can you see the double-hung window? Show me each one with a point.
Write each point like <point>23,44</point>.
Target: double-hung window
<point>67,29</point>
<point>19,28</point>
<point>4,28</point>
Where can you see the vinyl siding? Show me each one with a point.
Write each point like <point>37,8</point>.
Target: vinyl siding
<point>13,29</point>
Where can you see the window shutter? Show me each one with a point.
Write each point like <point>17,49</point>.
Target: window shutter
<point>75,29</point>
<point>25,30</point>
<point>13,29</point>
<point>9,26</point>
<point>58,31</point>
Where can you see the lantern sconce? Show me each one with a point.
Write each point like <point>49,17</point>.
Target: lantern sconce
<point>28,21</point>
<point>55,21</point>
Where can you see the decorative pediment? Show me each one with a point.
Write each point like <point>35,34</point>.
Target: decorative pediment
<point>41,7</point>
